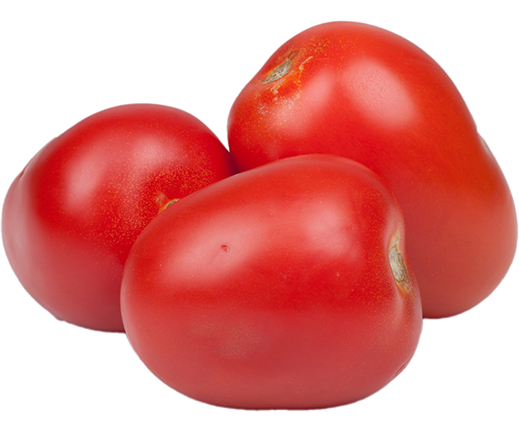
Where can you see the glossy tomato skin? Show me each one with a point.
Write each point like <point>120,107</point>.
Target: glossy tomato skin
<point>274,288</point>
<point>367,94</point>
<point>71,216</point>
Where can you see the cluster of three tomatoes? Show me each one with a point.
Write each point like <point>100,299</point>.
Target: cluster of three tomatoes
<point>294,269</point>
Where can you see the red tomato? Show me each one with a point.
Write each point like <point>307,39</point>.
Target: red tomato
<point>71,216</point>
<point>367,94</point>
<point>283,287</point>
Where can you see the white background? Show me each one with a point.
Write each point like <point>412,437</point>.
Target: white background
<point>61,61</point>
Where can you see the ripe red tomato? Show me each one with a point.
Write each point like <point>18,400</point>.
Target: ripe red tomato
<point>286,286</point>
<point>367,94</point>
<point>71,216</point>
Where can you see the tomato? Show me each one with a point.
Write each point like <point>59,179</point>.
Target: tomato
<point>286,286</point>
<point>364,93</point>
<point>71,216</point>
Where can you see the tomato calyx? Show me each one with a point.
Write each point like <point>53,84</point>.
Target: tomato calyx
<point>281,70</point>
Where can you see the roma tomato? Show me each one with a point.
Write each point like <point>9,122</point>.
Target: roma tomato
<point>71,216</point>
<point>286,286</point>
<point>361,92</point>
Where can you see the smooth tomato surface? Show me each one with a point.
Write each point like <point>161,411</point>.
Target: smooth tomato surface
<point>361,92</point>
<point>286,286</point>
<point>71,216</point>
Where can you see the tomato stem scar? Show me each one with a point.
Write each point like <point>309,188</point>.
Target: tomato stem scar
<point>281,70</point>
<point>397,261</point>
<point>171,203</point>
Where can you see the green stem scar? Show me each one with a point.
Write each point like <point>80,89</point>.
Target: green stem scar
<point>397,263</point>
<point>171,203</point>
<point>281,70</point>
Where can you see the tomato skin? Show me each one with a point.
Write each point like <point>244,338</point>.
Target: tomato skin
<point>71,216</point>
<point>367,94</point>
<point>273,288</point>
